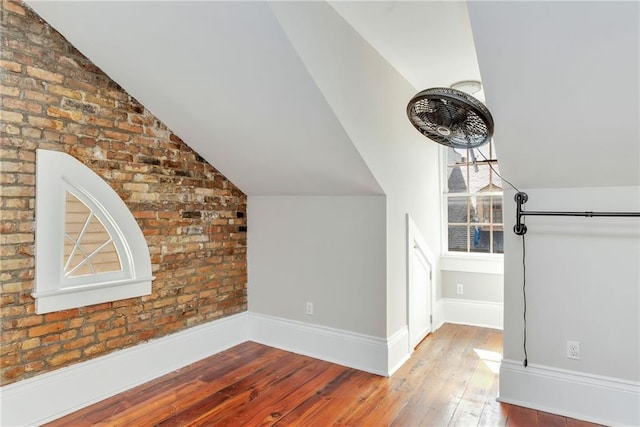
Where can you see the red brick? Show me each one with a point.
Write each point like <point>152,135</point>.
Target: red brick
<point>95,349</point>
<point>100,100</point>
<point>44,74</point>
<point>116,135</point>
<point>83,86</point>
<point>64,358</point>
<point>40,352</point>
<point>11,66</point>
<point>13,7</point>
<point>11,116</point>
<point>64,114</point>
<point>41,97</point>
<point>78,343</point>
<point>46,329</point>
<point>45,123</point>
<point>9,91</point>
<point>63,91</point>
<point>61,315</point>
<point>129,127</point>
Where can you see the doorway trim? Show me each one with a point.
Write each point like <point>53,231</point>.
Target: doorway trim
<point>415,240</point>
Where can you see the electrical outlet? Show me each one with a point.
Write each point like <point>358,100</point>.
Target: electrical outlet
<point>460,289</point>
<point>309,308</point>
<point>573,350</point>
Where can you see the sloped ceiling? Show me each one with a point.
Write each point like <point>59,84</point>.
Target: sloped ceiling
<point>224,77</point>
<point>429,42</point>
<point>561,79</point>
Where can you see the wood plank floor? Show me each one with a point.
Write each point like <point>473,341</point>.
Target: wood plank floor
<point>450,380</point>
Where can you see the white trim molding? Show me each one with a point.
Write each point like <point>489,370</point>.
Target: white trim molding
<point>398,350</point>
<point>58,176</point>
<point>475,313</point>
<point>473,263</point>
<point>49,396</point>
<point>594,398</point>
<point>417,308</point>
<point>363,352</point>
<point>438,314</point>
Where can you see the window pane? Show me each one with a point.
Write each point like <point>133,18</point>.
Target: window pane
<point>457,209</point>
<point>480,238</point>
<point>497,209</point>
<point>496,181</point>
<point>498,240</point>
<point>457,179</point>
<point>87,245</point>
<point>475,221</point>
<point>458,238</point>
<point>479,177</point>
<point>484,205</point>
<point>106,259</point>
<point>473,209</point>
<point>76,214</point>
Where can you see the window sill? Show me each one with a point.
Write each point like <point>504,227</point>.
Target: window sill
<point>63,299</point>
<point>473,263</point>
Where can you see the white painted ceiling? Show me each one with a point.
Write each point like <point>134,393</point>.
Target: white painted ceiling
<point>561,79</point>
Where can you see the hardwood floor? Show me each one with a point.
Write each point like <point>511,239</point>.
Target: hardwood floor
<point>450,380</point>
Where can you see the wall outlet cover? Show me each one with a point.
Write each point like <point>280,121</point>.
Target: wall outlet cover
<point>573,350</point>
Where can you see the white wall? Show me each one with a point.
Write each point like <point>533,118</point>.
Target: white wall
<point>482,279</point>
<point>369,97</point>
<point>582,284</point>
<point>476,286</point>
<point>326,250</point>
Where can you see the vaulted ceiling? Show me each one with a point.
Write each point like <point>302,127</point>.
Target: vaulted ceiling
<point>561,79</point>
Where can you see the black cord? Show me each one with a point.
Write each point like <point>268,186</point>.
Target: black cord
<point>494,171</point>
<point>524,268</point>
<point>524,296</point>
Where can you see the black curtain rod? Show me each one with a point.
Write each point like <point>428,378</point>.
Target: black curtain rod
<point>521,198</point>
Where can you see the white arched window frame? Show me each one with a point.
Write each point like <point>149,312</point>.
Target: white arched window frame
<point>62,284</point>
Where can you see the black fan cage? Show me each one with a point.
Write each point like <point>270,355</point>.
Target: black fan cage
<point>451,117</point>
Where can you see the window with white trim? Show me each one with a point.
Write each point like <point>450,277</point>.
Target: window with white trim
<point>89,248</point>
<point>473,196</point>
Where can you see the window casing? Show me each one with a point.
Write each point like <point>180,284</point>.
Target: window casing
<point>473,198</point>
<point>89,248</point>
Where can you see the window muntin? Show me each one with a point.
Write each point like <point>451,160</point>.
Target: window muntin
<point>88,246</point>
<point>473,196</point>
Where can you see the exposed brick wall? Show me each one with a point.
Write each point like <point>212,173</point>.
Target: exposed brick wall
<point>193,218</point>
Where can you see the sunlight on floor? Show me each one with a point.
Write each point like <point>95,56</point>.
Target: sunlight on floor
<point>490,358</point>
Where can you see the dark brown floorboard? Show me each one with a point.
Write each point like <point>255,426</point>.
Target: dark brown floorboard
<point>450,380</point>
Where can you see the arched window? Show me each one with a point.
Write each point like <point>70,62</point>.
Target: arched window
<point>89,248</point>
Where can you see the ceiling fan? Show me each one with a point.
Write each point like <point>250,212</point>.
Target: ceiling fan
<point>451,117</point>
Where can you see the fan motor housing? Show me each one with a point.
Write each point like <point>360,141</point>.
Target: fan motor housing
<point>451,117</point>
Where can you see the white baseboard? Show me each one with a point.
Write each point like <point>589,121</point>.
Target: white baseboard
<point>49,396</point>
<point>474,313</point>
<point>598,399</point>
<point>358,351</point>
<point>398,350</point>
<point>438,314</point>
